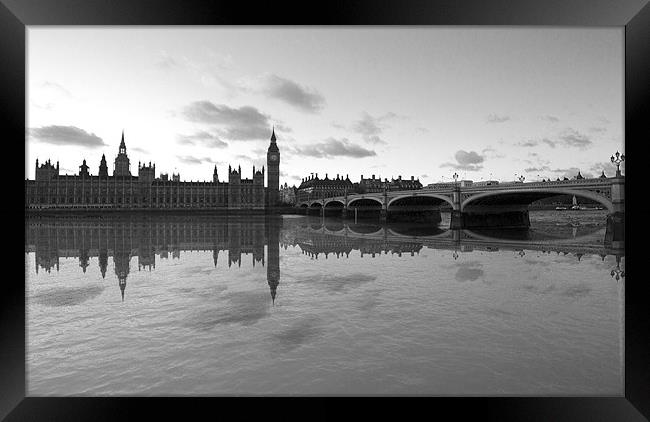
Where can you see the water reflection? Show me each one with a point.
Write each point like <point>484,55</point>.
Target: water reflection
<point>147,238</point>
<point>301,305</point>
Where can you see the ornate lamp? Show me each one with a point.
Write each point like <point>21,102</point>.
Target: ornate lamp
<point>618,160</point>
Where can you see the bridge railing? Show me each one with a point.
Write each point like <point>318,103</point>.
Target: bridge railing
<point>505,185</point>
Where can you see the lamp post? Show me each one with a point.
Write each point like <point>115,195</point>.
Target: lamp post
<point>618,160</point>
<point>455,176</point>
<point>522,178</point>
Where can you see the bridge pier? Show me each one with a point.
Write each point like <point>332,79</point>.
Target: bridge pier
<point>383,215</point>
<point>615,231</point>
<point>344,212</point>
<point>457,220</point>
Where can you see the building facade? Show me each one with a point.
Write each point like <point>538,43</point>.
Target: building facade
<point>373,184</point>
<point>288,194</point>
<point>313,188</point>
<point>122,190</point>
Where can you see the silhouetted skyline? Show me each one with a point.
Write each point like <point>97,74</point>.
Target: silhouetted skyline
<point>425,102</point>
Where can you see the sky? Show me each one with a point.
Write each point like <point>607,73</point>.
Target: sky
<point>483,102</point>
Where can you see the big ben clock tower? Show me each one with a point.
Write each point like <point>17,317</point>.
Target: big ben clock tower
<point>273,174</point>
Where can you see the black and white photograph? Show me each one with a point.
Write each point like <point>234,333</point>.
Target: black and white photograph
<point>287,210</point>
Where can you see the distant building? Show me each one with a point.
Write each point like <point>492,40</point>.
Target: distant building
<point>313,187</point>
<point>377,185</point>
<point>122,190</point>
<point>370,185</point>
<point>288,194</point>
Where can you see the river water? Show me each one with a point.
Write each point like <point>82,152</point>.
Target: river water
<point>293,305</point>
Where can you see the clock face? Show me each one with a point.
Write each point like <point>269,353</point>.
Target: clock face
<point>274,158</point>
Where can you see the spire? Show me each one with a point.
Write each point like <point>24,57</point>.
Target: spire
<point>122,144</point>
<point>273,135</point>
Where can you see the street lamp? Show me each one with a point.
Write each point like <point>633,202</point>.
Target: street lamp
<point>618,160</point>
<point>455,176</point>
<point>522,178</point>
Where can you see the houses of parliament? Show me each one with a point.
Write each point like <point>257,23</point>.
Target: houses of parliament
<point>145,191</point>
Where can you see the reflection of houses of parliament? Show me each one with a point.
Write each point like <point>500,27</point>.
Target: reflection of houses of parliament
<point>145,238</point>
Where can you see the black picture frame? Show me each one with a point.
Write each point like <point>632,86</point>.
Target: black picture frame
<point>634,15</point>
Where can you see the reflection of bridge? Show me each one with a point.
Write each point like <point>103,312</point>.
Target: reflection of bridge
<point>315,239</point>
<point>503,205</point>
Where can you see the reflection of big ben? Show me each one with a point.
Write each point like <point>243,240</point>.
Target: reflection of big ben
<point>273,253</point>
<point>273,173</point>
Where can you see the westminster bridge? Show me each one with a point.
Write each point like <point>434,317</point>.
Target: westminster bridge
<point>503,205</point>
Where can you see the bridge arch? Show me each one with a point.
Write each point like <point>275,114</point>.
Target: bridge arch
<point>365,201</point>
<point>442,198</point>
<point>526,196</point>
<point>334,203</point>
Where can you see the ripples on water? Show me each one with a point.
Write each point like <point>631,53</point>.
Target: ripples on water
<point>300,305</point>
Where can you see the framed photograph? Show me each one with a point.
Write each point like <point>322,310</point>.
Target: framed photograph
<point>418,199</point>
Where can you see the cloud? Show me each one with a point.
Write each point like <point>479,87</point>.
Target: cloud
<point>299,96</point>
<point>138,149</point>
<point>490,152</point>
<point>535,142</point>
<point>67,296</point>
<point>469,271</point>
<point>573,138</point>
<point>56,88</point>
<point>165,61</point>
<point>238,124</point>
<point>282,128</point>
<point>495,118</point>
<point>528,143</point>
<point>66,135</point>
<point>550,118</point>
<point>548,142</point>
<point>572,172</point>
<point>332,147</point>
<point>607,166</point>
<point>188,159</point>
<point>202,137</point>
<point>537,169</point>
<point>298,334</point>
<point>344,283</point>
<point>371,127</point>
<point>469,161</point>
<point>595,129</point>
<point>244,308</point>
